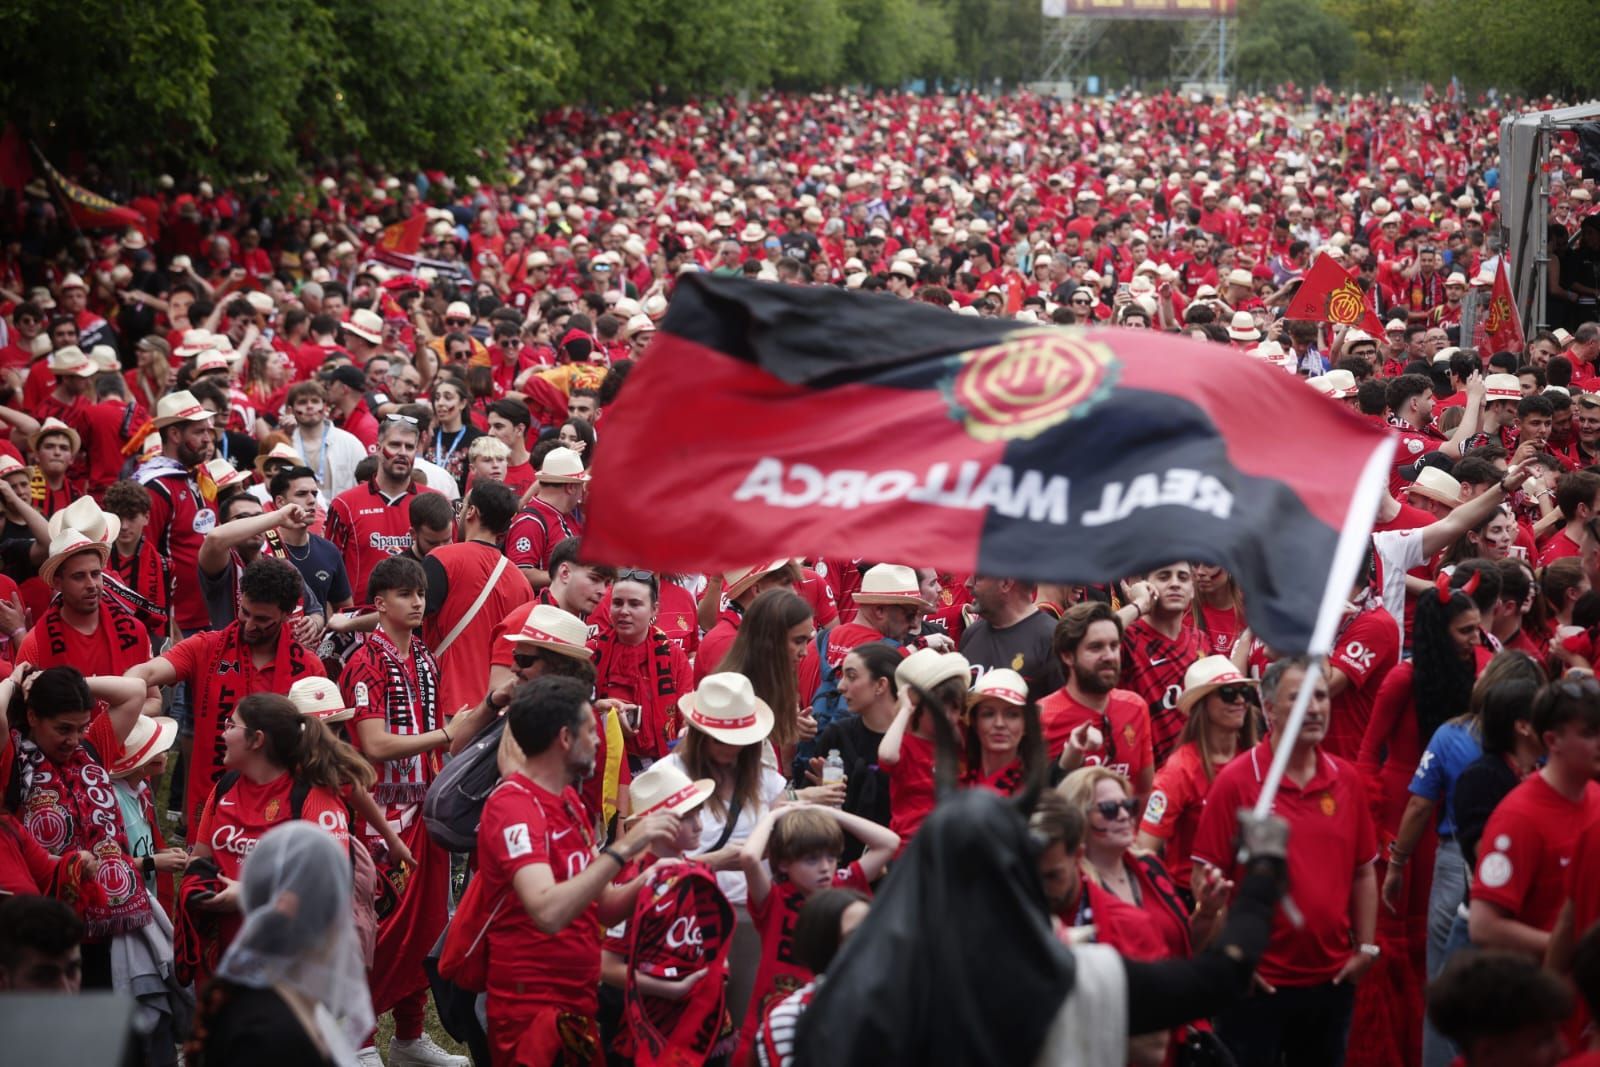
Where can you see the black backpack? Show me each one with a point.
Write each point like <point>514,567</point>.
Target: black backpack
<point>454,802</point>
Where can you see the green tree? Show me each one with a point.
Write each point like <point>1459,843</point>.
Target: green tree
<point>1291,40</point>
<point>1532,46</point>
<point>1386,32</point>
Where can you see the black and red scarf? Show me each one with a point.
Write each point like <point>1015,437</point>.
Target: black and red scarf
<point>409,711</point>
<point>125,645</point>
<point>658,693</point>
<point>141,584</point>
<point>72,806</point>
<point>224,682</point>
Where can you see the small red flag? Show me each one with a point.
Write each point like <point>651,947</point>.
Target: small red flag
<point>1329,293</point>
<point>404,238</point>
<point>90,210</point>
<point>1500,328</point>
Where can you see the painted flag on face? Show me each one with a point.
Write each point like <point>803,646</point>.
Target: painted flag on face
<point>771,421</point>
<point>1329,293</point>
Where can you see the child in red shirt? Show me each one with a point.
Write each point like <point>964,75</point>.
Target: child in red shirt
<point>806,842</point>
<point>906,751</point>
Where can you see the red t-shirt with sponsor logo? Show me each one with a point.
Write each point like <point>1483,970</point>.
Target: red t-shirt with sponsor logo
<point>1153,666</point>
<point>1334,838</point>
<point>1527,847</point>
<point>232,826</point>
<point>1219,629</point>
<point>525,824</point>
<point>1364,652</point>
<point>179,522</point>
<point>367,528</point>
<point>816,591</point>
<point>1124,726</point>
<point>1173,811</point>
<point>536,530</point>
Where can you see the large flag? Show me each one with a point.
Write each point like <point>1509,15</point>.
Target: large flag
<point>404,238</point>
<point>1499,326</point>
<point>769,421</point>
<point>90,210</point>
<point>1329,293</point>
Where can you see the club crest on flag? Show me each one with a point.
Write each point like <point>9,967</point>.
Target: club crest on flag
<point>1029,382</point>
<point>1499,311</point>
<point>1346,304</point>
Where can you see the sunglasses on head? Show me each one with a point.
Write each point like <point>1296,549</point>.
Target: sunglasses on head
<point>409,420</point>
<point>1108,808</point>
<point>636,576</point>
<point>1230,693</point>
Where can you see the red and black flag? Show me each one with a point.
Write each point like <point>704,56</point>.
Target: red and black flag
<point>770,421</point>
<point>1329,293</point>
<point>1499,326</point>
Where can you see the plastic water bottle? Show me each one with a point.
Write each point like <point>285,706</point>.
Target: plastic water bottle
<point>832,768</point>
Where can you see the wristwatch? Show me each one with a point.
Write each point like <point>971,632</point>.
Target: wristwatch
<point>1369,950</point>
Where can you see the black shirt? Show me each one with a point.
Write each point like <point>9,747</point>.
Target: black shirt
<point>1481,787</point>
<point>1026,647</point>
<point>255,1028</point>
<point>866,785</point>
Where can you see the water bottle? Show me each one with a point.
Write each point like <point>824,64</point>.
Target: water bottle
<point>832,768</point>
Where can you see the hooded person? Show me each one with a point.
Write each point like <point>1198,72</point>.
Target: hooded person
<point>292,987</point>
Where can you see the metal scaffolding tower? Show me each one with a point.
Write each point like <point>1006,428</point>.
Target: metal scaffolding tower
<point>1066,48</point>
<point>1205,55</point>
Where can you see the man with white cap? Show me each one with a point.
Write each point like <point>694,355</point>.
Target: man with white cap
<point>549,516</point>
<point>889,605</point>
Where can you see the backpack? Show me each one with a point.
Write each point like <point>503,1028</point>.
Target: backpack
<point>454,801</point>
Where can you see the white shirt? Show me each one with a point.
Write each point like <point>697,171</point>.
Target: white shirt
<point>438,479</point>
<point>335,466</point>
<point>772,787</point>
<point>1398,551</point>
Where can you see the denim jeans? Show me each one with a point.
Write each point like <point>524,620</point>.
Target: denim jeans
<point>1438,1050</point>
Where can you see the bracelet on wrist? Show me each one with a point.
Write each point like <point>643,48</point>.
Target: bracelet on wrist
<point>607,850</point>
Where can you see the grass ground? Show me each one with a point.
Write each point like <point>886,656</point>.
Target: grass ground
<point>386,1024</point>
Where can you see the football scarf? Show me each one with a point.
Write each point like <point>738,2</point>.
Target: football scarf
<point>681,924</point>
<point>378,678</point>
<point>656,690</point>
<point>118,633</point>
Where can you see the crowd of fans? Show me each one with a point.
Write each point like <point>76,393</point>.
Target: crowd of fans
<point>292,574</point>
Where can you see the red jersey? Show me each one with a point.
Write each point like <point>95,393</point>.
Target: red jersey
<point>911,796</point>
<point>816,591</point>
<point>840,639</point>
<point>676,616</point>
<point>1334,838</point>
<point>1411,447</point>
<point>456,577</point>
<point>362,426</point>
<point>1560,546</point>
<point>1153,666</point>
<point>715,644</point>
<point>780,973</point>
<point>179,522</point>
<point>1218,629</point>
<point>110,423</point>
<point>520,477</point>
<point>118,644</point>
<point>1173,811</point>
<point>1124,726</point>
<point>1365,650</point>
<point>368,527</point>
<point>232,827</point>
<point>1526,849</point>
<point>524,824</point>
<point>536,530</point>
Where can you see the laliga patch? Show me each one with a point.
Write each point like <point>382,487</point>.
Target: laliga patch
<point>360,695</point>
<point>518,843</point>
<point>1495,870</point>
<point>1413,445</point>
<point>1155,808</point>
<point>204,520</point>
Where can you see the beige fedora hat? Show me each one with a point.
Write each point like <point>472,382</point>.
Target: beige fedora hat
<point>889,583</point>
<point>724,706</point>
<point>552,628</point>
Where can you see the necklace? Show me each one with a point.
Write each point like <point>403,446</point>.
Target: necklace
<point>304,555</point>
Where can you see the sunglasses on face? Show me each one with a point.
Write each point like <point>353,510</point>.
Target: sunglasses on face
<point>1231,693</point>
<point>458,322</point>
<point>524,660</point>
<point>1108,809</point>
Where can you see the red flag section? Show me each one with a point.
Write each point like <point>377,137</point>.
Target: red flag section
<point>782,421</point>
<point>405,238</point>
<point>1500,325</point>
<point>89,210</point>
<point>1330,293</point>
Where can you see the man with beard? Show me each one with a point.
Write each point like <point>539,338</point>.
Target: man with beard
<point>256,653</point>
<point>551,515</point>
<point>372,522</point>
<point>1088,642</point>
<point>1011,632</point>
<point>1308,974</point>
<point>535,844</point>
<point>179,516</point>
<point>83,627</point>
<point>889,606</point>
<point>237,540</point>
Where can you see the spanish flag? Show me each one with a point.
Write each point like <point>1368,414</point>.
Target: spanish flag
<point>773,420</point>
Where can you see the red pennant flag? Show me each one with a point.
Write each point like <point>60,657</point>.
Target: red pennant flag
<point>1500,327</point>
<point>404,238</point>
<point>89,210</point>
<point>810,420</point>
<point>16,166</point>
<point>1329,293</point>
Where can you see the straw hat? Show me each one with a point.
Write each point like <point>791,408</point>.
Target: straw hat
<point>1239,276</point>
<point>70,362</point>
<point>889,583</point>
<point>550,627</point>
<point>85,516</point>
<point>924,669</point>
<point>9,464</point>
<point>1003,684</point>
<point>53,425</point>
<point>725,707</point>
<point>69,544</point>
<point>281,453</point>
<point>212,359</point>
<point>178,407</point>
<point>562,466</point>
<point>1501,387</point>
<point>736,582</point>
<point>1336,384</point>
<point>318,698</point>
<point>1207,675</point>
<point>224,475</point>
<point>104,359</point>
<point>1243,327</point>
<point>151,447</point>
<point>666,788</point>
<point>1435,484</point>
<point>367,325</point>
<point>150,736</point>
<point>194,342</point>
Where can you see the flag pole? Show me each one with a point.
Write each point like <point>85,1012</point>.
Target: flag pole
<point>1347,556</point>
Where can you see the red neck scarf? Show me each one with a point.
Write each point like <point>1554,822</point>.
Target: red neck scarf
<point>410,710</point>
<point>650,683</point>
<point>139,583</point>
<point>122,645</point>
<point>71,806</point>
<point>228,678</point>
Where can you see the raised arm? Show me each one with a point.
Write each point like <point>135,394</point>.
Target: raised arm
<point>1438,535</point>
<point>224,539</point>
<point>753,855</point>
<point>889,747</point>
<point>1471,415</point>
<point>125,696</point>
<point>882,843</point>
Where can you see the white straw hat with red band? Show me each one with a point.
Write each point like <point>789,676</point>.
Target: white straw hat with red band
<point>559,631</point>
<point>1003,684</point>
<point>1205,676</point>
<point>666,788</point>
<point>150,736</point>
<point>318,698</point>
<point>889,583</point>
<point>725,707</point>
<point>85,516</point>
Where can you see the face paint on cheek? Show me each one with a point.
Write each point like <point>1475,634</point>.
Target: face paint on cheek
<point>390,453</point>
